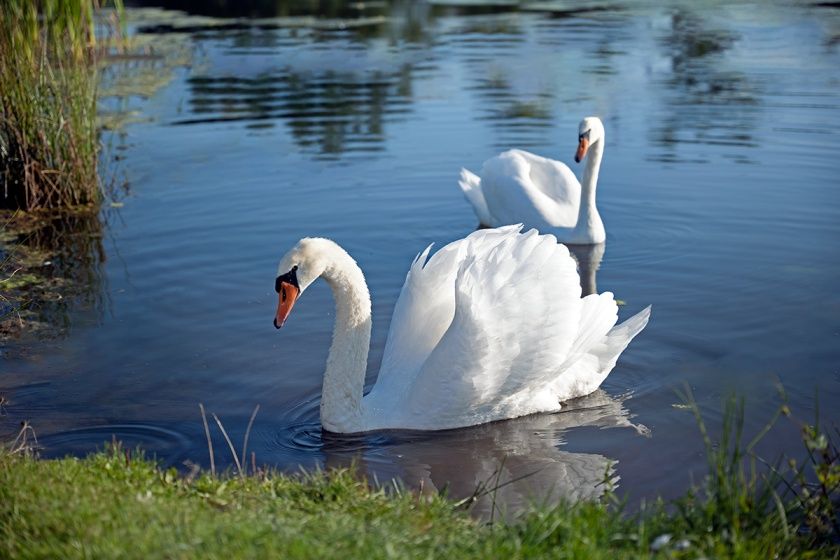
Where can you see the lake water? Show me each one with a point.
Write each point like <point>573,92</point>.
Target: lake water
<point>719,191</point>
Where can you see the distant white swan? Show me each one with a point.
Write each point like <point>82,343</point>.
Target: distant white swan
<point>520,187</point>
<point>490,327</point>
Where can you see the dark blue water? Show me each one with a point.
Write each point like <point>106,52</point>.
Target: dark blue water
<point>719,191</point>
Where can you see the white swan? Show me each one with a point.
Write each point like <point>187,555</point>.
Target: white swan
<point>520,187</point>
<point>490,327</point>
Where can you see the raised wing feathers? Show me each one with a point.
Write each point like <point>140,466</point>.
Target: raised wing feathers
<point>490,327</point>
<point>425,309</point>
<point>517,307</point>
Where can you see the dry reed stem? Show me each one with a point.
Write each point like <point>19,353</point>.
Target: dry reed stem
<point>21,443</point>
<point>209,440</point>
<point>230,444</point>
<point>248,432</point>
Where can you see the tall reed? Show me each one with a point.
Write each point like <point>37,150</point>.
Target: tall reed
<point>49,143</point>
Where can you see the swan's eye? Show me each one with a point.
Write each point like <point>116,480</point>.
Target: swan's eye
<point>289,278</point>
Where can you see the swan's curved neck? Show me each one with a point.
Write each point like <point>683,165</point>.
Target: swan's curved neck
<point>588,217</point>
<point>344,378</point>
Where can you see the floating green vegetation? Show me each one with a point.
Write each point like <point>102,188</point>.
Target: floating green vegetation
<point>16,281</point>
<point>147,64</point>
<point>49,142</point>
<point>527,110</point>
<point>50,264</point>
<point>119,504</point>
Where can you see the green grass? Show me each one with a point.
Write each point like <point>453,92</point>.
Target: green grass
<point>49,143</point>
<point>115,505</point>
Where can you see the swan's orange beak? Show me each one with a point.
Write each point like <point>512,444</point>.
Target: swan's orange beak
<point>581,151</point>
<point>287,294</point>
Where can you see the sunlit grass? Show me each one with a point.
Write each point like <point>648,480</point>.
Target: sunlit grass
<point>119,504</point>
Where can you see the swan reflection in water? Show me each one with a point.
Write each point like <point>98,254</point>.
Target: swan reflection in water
<point>521,458</point>
<point>588,258</point>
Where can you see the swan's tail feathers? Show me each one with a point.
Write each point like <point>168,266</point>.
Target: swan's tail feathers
<point>470,183</point>
<point>589,370</point>
<point>628,330</point>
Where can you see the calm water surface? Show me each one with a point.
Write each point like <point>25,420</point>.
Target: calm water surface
<point>719,191</point>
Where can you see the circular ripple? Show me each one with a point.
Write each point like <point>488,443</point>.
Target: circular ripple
<point>162,442</point>
<point>300,431</point>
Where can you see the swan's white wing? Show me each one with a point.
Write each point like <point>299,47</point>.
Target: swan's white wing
<point>423,312</point>
<point>516,318</point>
<point>522,187</point>
<point>493,327</point>
<point>598,346</point>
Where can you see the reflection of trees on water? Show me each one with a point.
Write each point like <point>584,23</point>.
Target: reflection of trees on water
<point>268,8</point>
<point>705,103</point>
<point>336,80</point>
<point>335,85</point>
<point>329,112</point>
<point>525,68</point>
<point>510,99</point>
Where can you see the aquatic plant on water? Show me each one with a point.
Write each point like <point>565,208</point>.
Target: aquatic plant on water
<point>49,142</point>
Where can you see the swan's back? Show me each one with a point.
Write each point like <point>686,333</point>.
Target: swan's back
<point>493,327</point>
<point>521,187</point>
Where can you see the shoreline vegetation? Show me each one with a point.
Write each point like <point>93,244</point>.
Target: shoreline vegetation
<point>68,74</point>
<point>49,76</point>
<point>50,187</point>
<point>120,503</point>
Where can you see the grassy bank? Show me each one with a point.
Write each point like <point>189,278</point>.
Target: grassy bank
<point>113,504</point>
<point>49,142</point>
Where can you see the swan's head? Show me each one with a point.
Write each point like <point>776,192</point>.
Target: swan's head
<point>298,268</point>
<point>590,131</point>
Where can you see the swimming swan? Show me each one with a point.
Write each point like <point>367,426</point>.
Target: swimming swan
<point>490,327</point>
<point>520,187</point>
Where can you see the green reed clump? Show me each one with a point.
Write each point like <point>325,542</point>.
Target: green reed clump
<point>815,484</point>
<point>791,506</point>
<point>49,142</point>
